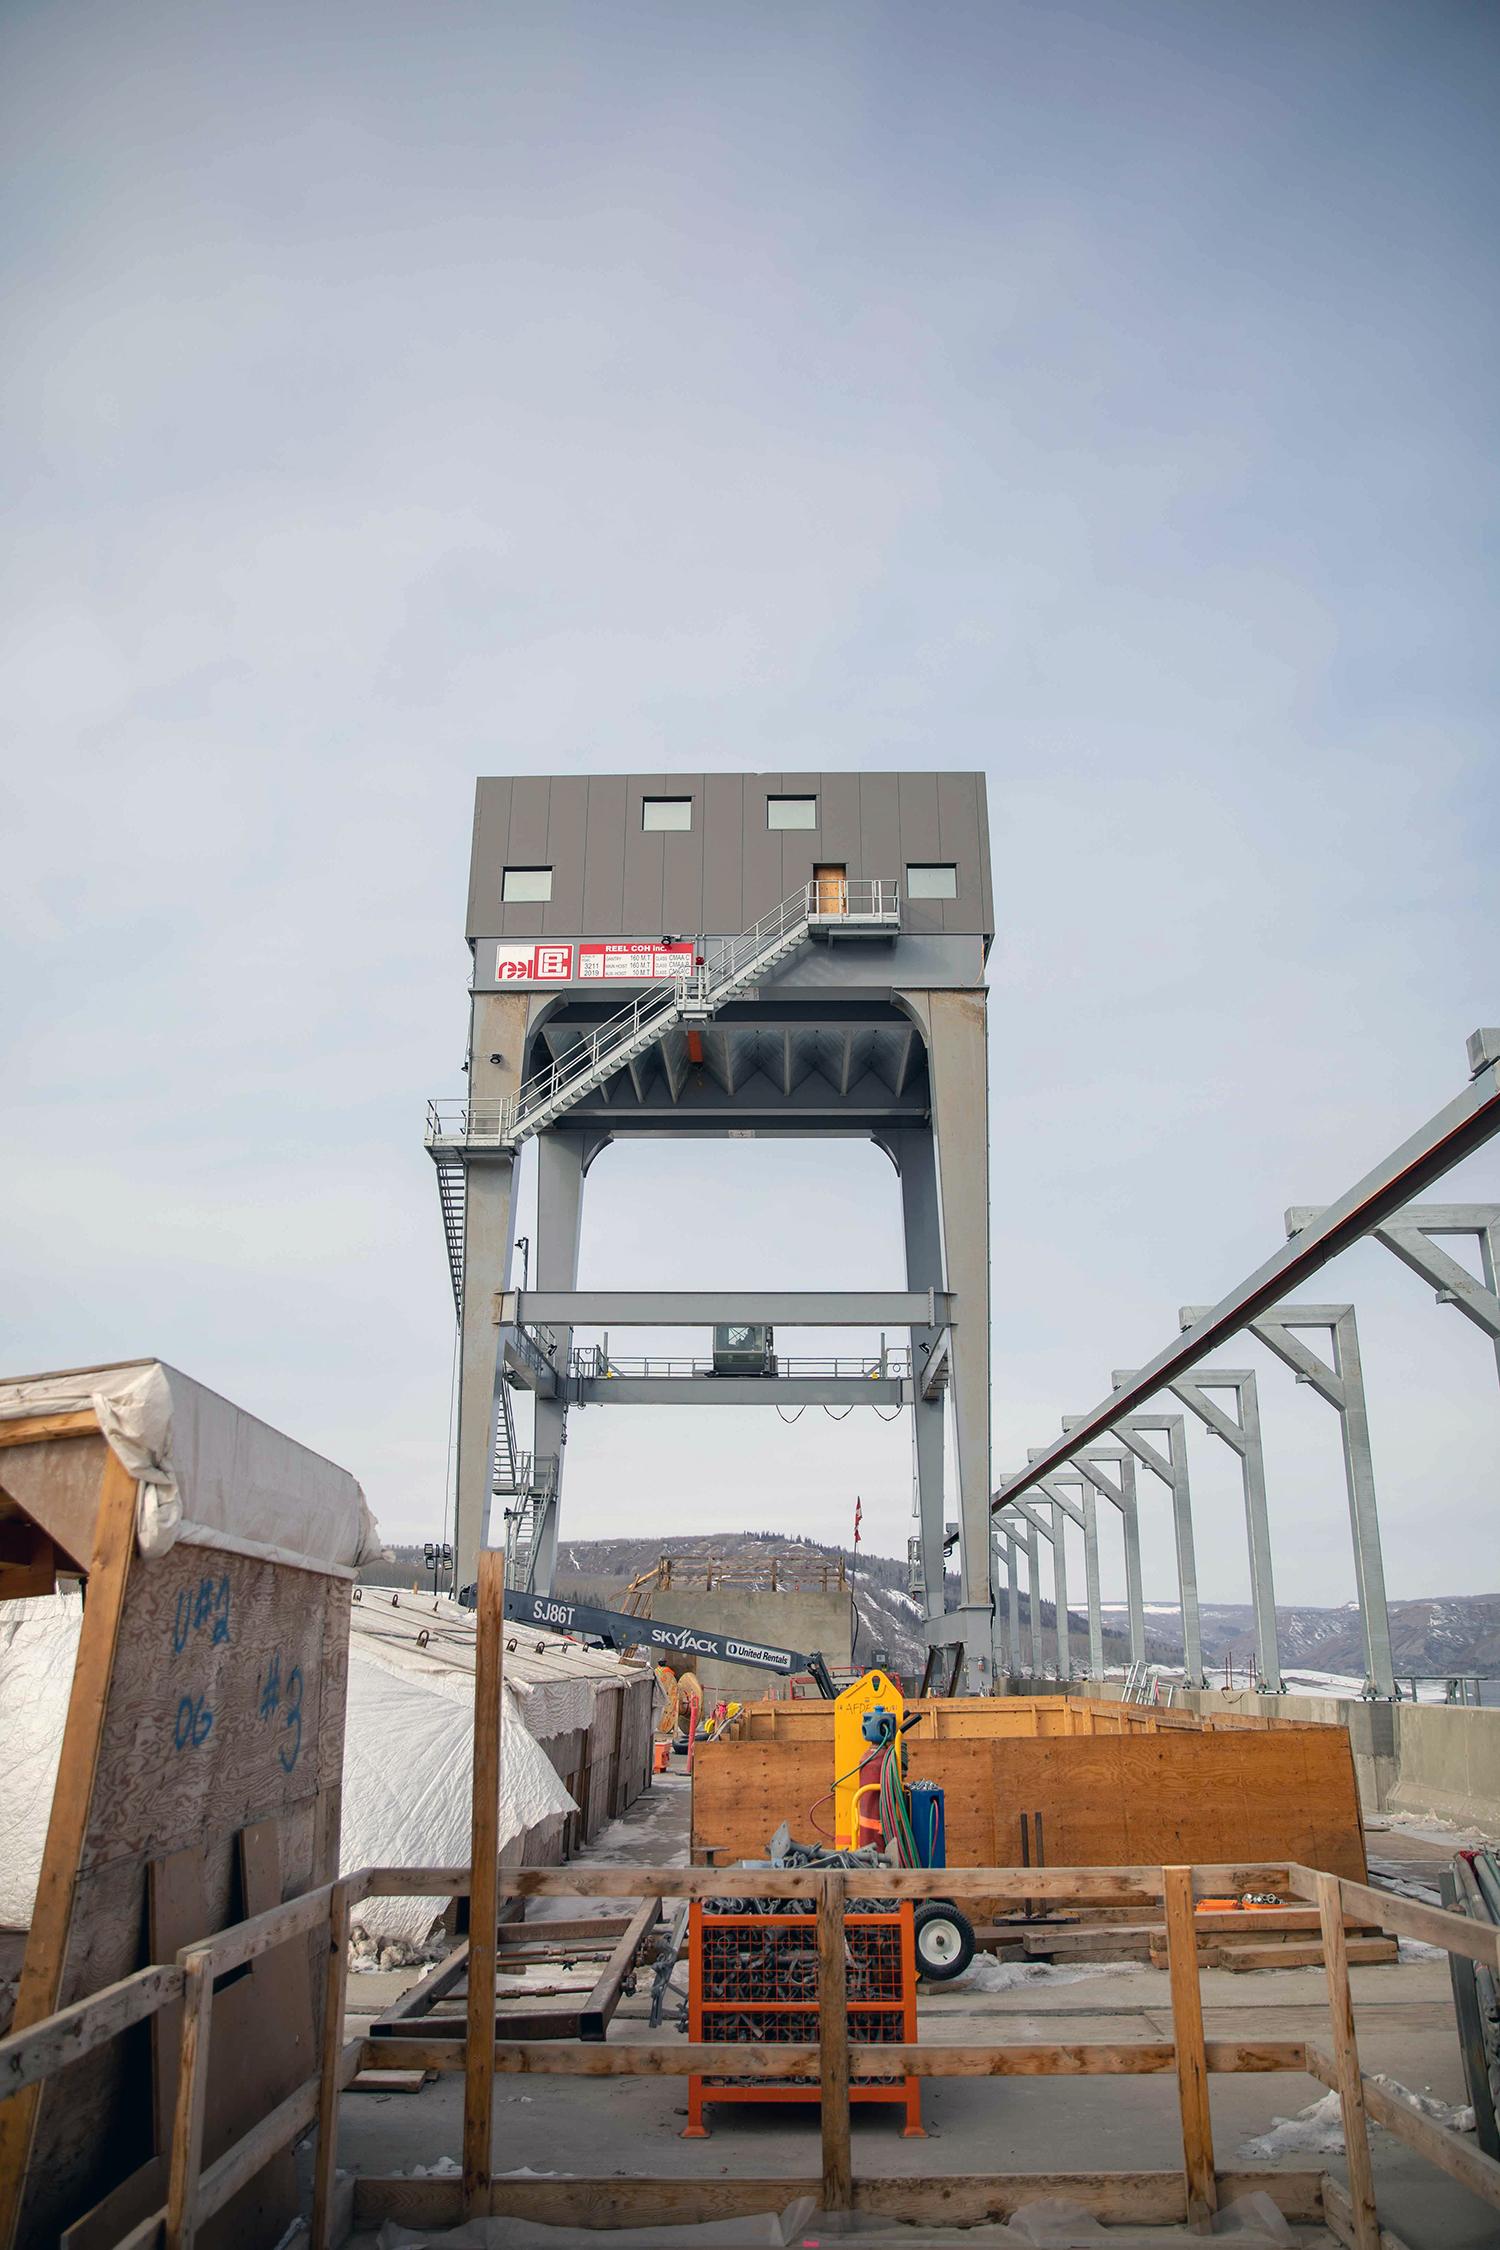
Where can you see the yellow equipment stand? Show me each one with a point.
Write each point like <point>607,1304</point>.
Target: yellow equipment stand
<point>850,1748</point>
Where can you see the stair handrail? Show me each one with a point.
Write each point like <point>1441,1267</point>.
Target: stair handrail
<point>699,982</point>
<point>607,1038</point>
<point>733,955</point>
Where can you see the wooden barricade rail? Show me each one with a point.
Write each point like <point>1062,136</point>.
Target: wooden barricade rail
<point>196,2192</point>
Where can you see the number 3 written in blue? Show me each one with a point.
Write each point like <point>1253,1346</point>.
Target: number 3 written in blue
<point>292,1751</point>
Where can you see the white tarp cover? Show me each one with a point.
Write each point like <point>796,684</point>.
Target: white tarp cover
<point>408,1746</point>
<point>209,1473</point>
<point>38,1646</point>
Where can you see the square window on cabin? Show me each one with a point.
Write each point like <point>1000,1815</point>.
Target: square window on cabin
<point>667,812</point>
<point>526,886</point>
<point>932,881</point>
<point>791,812</point>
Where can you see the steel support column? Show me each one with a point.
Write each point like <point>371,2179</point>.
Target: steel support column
<point>953,1026</point>
<point>497,1048</point>
<point>1013,1604</point>
<point>1240,1431</point>
<point>916,1163</point>
<point>1091,1583</point>
<point>1342,1385</point>
<point>561,1160</point>
<point>1060,1593</point>
<point>1090,1467</point>
<point>1173,1471</point>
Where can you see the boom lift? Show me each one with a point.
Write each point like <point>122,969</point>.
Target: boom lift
<point>621,1630</point>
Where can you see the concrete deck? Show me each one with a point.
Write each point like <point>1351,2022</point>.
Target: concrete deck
<point>1405,2021</point>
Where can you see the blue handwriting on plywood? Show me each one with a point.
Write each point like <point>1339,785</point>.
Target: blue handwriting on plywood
<point>203,1608</point>
<point>283,1700</point>
<point>195,1723</point>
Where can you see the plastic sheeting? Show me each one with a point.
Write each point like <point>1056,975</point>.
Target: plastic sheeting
<point>209,1473</point>
<point>408,1747</point>
<point>408,1777</point>
<point>38,1646</point>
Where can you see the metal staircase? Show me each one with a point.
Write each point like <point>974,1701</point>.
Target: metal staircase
<point>842,908</point>
<point>535,1491</point>
<point>452,1198</point>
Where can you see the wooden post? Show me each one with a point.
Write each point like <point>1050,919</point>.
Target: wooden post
<point>186,2161</point>
<point>43,1972</point>
<point>484,1885</point>
<point>1346,2064</point>
<point>833,2044</point>
<point>1187,2039</point>
<point>335,1975</point>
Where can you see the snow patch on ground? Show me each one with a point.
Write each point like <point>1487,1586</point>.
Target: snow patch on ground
<point>1318,2130</point>
<point>986,1974</point>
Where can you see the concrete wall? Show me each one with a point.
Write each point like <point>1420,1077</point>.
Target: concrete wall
<point>805,1621</point>
<point>1409,1757</point>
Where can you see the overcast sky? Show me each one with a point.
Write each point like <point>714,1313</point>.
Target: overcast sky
<point>1103,395</point>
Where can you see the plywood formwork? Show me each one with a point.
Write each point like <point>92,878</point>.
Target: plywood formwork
<point>197,1783</point>
<point>1107,1796</point>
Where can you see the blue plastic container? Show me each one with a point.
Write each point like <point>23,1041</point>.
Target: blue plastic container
<point>928,1824</point>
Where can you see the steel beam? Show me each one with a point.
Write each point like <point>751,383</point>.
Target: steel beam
<point>786,1391</point>
<point>1173,1471</point>
<point>1412,1236</point>
<point>1060,1594</point>
<point>1091,1583</point>
<point>1241,1432</point>
<point>1342,1385</point>
<point>1463,1125</point>
<point>706,1308</point>
<point>915,1160</point>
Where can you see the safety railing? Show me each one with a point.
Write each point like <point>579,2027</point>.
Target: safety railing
<point>592,1363</point>
<point>697,989</point>
<point>533,1473</point>
<point>195,2191</point>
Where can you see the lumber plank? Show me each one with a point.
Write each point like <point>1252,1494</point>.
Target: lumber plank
<point>35,1429</point>
<point>484,1900</point>
<point>679,2058</point>
<point>185,2158</point>
<point>1347,2076</point>
<point>28,2056</point>
<point>1338,2217</point>
<point>331,2047</point>
<point>1361,1952</point>
<point>833,2043</point>
<point>1405,1917</point>
<point>1187,2038</point>
<point>72,1798</point>
<point>1148,2198</point>
<point>593,2018</point>
<point>418,1998</point>
<point>1454,2153</point>
<point>1131,1886</point>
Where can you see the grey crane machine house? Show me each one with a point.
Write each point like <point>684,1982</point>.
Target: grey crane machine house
<point>728,955</point>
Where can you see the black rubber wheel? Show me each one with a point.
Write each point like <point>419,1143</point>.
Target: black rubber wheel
<point>944,1941</point>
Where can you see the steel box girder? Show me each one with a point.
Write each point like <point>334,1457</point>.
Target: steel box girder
<point>788,1391</point>
<point>709,1308</point>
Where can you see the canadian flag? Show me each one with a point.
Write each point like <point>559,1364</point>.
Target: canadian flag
<point>859,1509</point>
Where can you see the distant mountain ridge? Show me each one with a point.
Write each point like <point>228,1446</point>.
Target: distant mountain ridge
<point>1437,1635</point>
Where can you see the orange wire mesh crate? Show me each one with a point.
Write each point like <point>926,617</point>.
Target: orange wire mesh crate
<point>753,1980</point>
